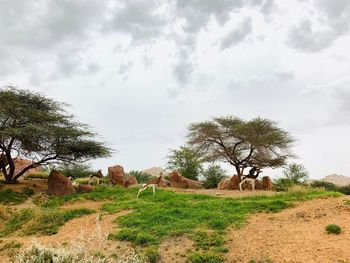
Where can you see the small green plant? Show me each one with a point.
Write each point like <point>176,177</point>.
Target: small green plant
<point>283,184</point>
<point>333,229</point>
<point>296,172</point>
<point>150,254</point>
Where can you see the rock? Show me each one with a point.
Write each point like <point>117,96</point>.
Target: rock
<point>257,185</point>
<point>234,183</point>
<point>116,175</point>
<point>163,182</point>
<point>130,180</point>
<point>20,164</point>
<point>266,183</point>
<point>178,181</point>
<point>83,188</point>
<point>223,185</point>
<point>59,185</point>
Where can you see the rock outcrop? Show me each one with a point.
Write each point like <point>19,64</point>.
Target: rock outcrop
<point>178,181</point>
<point>83,188</point>
<point>163,182</point>
<point>59,185</point>
<point>116,175</point>
<point>266,183</point>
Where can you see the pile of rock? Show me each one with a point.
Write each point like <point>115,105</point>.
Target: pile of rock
<point>117,176</point>
<point>233,184</point>
<point>178,181</point>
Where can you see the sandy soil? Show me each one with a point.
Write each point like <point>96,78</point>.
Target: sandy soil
<point>89,232</point>
<point>295,235</point>
<point>175,249</point>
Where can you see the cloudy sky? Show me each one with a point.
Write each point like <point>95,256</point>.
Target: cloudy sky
<point>140,71</point>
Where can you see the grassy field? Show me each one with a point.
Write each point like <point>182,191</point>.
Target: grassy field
<point>202,218</point>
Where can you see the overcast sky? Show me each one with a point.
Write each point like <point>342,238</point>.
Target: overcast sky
<point>140,71</point>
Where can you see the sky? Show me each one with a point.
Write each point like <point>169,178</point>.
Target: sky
<point>139,72</point>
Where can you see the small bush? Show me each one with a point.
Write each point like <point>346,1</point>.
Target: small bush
<point>283,184</point>
<point>212,176</point>
<point>326,185</point>
<point>151,254</point>
<point>333,229</point>
<point>76,170</point>
<point>344,189</point>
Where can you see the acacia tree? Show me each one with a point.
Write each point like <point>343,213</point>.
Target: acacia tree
<point>38,128</point>
<point>258,143</point>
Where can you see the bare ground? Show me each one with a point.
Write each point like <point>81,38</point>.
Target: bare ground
<point>295,235</point>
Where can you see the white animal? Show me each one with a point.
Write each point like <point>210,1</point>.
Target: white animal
<point>145,186</point>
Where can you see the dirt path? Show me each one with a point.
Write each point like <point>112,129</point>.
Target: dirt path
<point>295,235</point>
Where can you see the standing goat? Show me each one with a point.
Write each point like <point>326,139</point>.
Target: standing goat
<point>153,185</point>
<point>98,175</point>
<point>251,177</point>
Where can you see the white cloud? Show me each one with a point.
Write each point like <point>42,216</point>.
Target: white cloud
<point>238,34</point>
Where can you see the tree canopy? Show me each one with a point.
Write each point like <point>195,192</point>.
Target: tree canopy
<point>256,143</point>
<point>38,128</point>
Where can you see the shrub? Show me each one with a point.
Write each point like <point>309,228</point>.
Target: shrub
<point>344,189</point>
<point>141,176</point>
<point>333,229</point>
<point>213,175</point>
<point>76,170</point>
<point>283,184</point>
<point>296,172</point>
<point>326,185</point>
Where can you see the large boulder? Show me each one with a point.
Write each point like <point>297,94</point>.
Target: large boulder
<point>116,175</point>
<point>234,183</point>
<point>178,181</point>
<point>163,182</point>
<point>59,185</point>
<point>130,180</point>
<point>224,183</point>
<point>266,183</point>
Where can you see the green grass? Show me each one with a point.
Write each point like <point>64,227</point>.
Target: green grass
<point>10,197</point>
<point>202,218</point>
<point>34,221</point>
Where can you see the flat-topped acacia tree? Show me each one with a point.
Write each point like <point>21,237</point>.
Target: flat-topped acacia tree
<point>258,143</point>
<point>40,129</point>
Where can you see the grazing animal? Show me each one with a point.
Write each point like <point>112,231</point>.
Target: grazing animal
<point>250,178</point>
<point>153,186</point>
<point>98,175</point>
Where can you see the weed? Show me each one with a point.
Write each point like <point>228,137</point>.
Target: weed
<point>333,229</point>
<point>10,197</point>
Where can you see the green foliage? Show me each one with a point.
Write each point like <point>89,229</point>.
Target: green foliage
<point>331,187</point>
<point>213,175</point>
<point>28,191</point>
<point>31,221</point>
<point>76,170</point>
<point>333,229</point>
<point>326,185</point>
<point>296,173</point>
<point>187,161</point>
<point>283,184</point>
<point>38,175</point>
<point>41,127</point>
<point>150,254</point>
<point>205,257</point>
<point>255,143</point>
<point>141,176</point>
